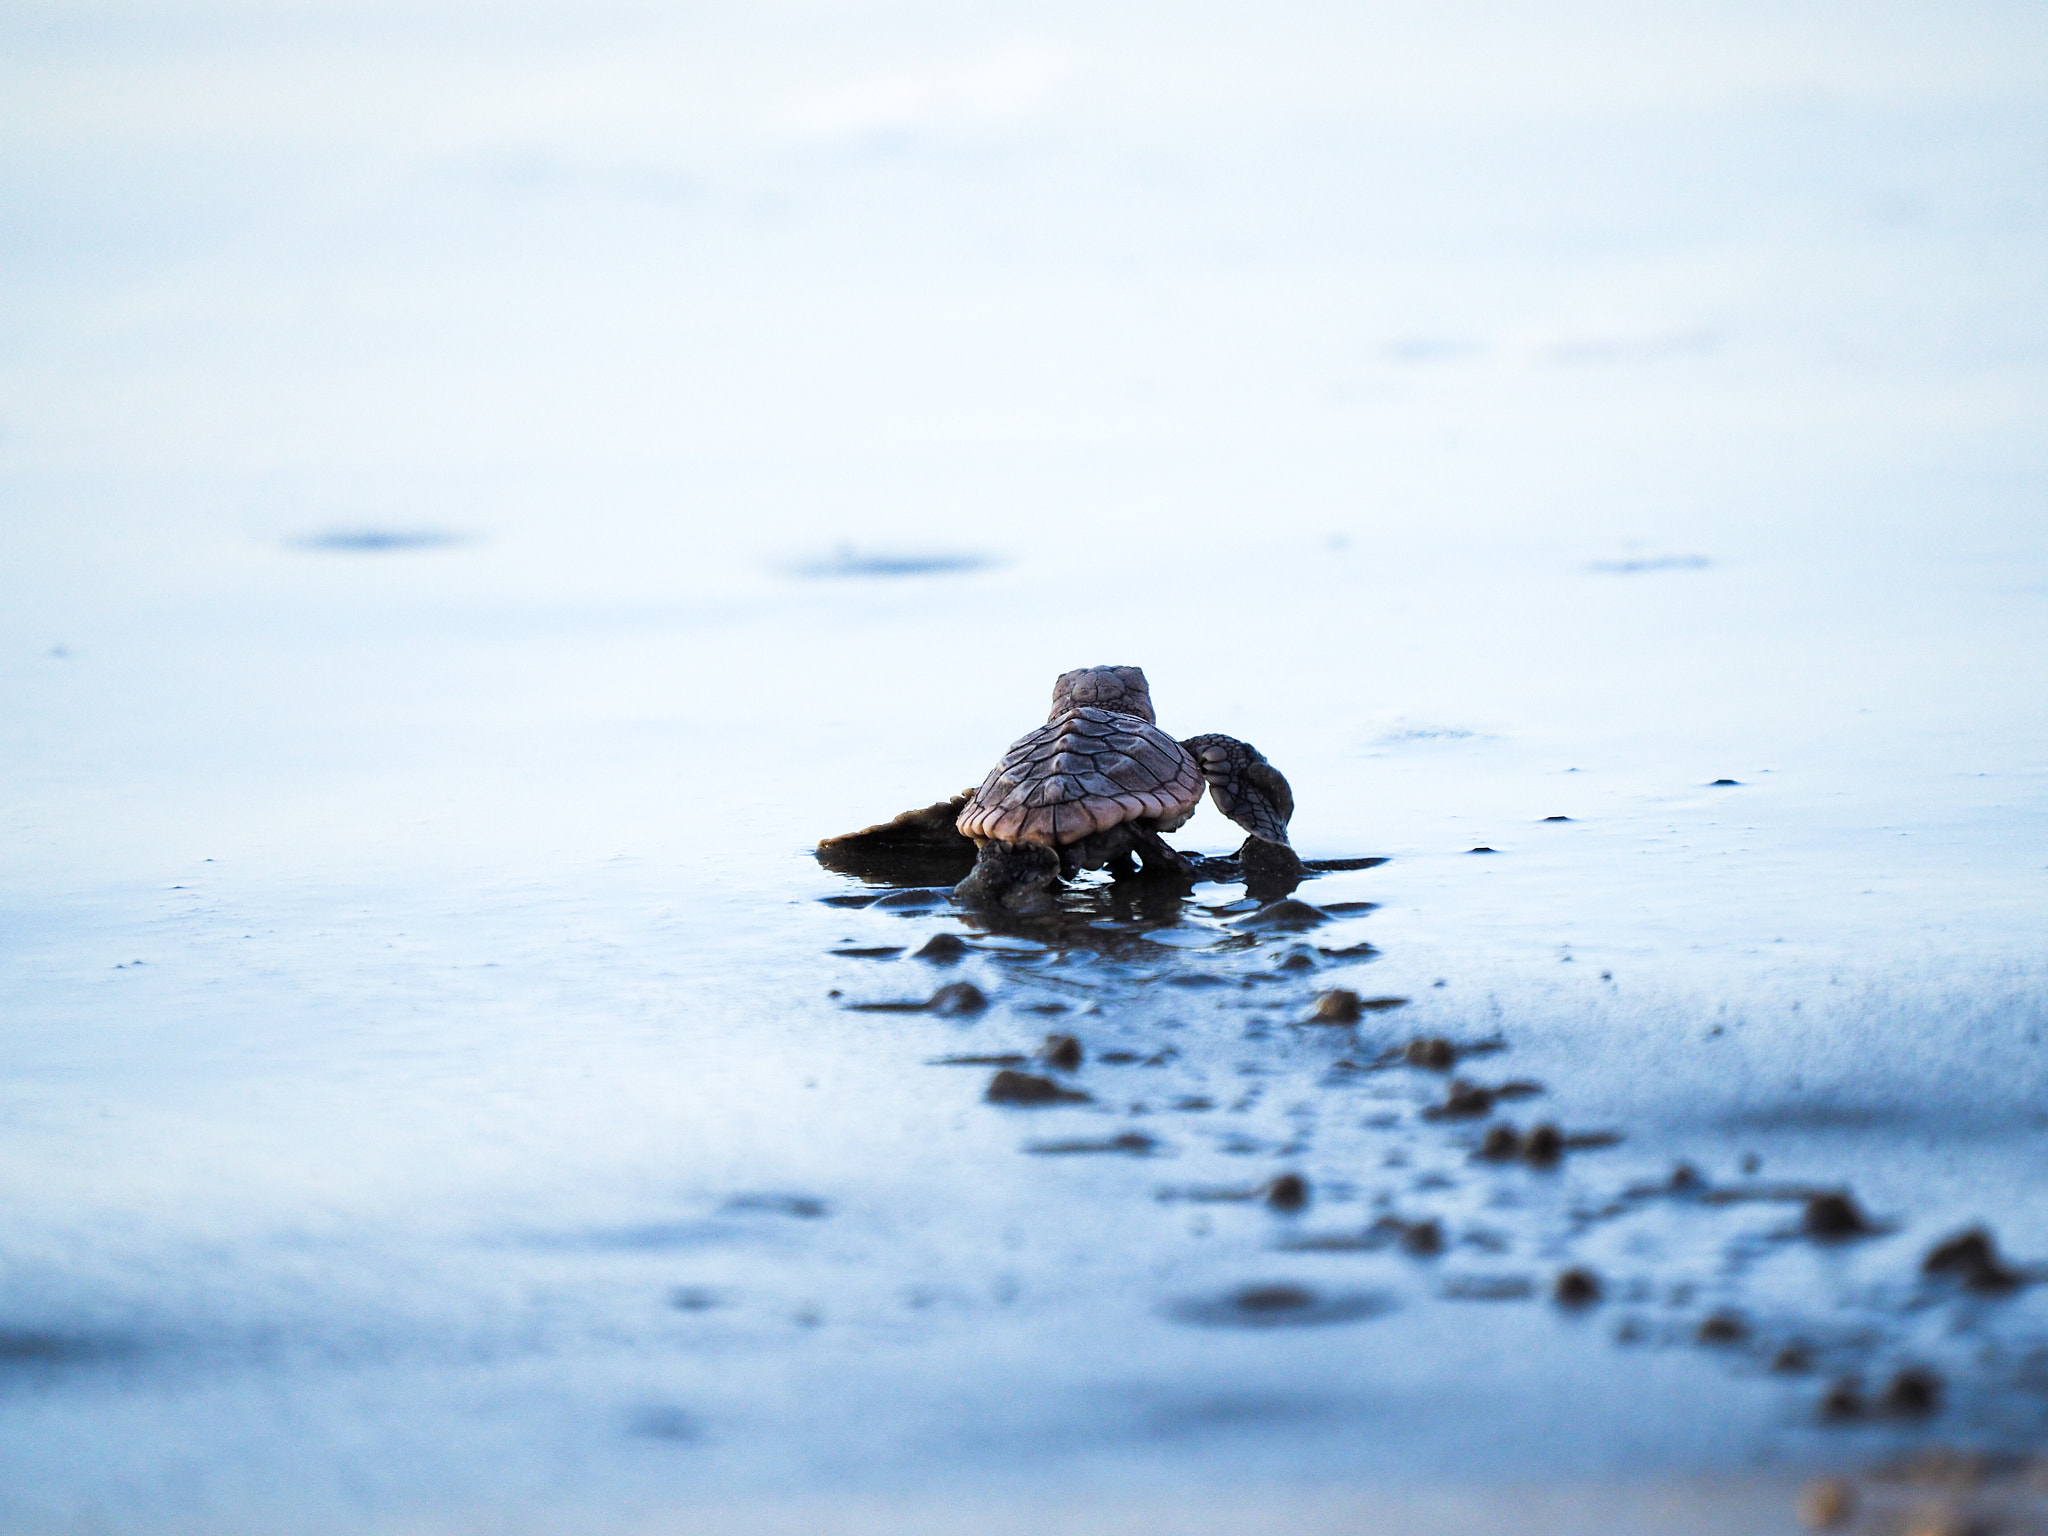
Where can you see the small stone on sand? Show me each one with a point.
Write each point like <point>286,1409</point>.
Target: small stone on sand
<point>1462,1101</point>
<point>1972,1257</point>
<point>1338,1006</point>
<point>1543,1146</point>
<point>1432,1053</point>
<point>1288,1192</point>
<point>1843,1400</point>
<point>1503,1144</point>
<point>958,997</point>
<point>1577,1288</point>
<point>1723,1328</point>
<point>1913,1393</point>
<point>1835,1216</point>
<point>1062,1051</point>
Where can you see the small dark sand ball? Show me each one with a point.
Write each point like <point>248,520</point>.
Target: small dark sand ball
<point>958,997</point>
<point>1576,1288</point>
<point>1274,1298</point>
<point>1010,1087</point>
<point>1842,1401</point>
<point>1723,1328</point>
<point>942,949</point>
<point>1288,1192</point>
<point>1835,1216</point>
<point>1424,1239</point>
<point>1543,1146</point>
<point>1061,1051</point>
<point>1437,1055</point>
<point>1338,1006</point>
<point>1684,1177</point>
<point>1793,1360</point>
<point>1914,1393</point>
<point>1972,1257</point>
<point>1463,1101</point>
<point>1503,1144</point>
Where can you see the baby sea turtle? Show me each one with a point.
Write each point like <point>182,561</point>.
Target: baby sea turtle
<point>1097,784</point>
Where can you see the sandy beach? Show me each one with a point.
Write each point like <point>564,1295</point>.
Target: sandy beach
<point>488,488</point>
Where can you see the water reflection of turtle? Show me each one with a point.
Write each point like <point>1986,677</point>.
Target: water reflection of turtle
<point>1096,785</point>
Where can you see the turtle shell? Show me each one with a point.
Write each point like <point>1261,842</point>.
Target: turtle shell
<point>1082,773</point>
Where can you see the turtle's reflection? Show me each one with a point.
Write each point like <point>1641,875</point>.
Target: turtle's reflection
<point>1133,918</point>
<point>1110,917</point>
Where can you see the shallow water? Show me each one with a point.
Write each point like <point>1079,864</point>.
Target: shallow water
<point>437,632</point>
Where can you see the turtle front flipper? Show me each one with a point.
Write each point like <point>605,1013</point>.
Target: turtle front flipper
<point>1255,795</point>
<point>1246,788</point>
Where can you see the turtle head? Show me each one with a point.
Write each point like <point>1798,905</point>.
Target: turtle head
<point>1121,689</point>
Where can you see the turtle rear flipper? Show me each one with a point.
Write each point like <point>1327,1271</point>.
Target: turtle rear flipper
<point>921,847</point>
<point>1246,788</point>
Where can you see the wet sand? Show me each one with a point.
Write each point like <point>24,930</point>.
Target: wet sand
<point>1707,1509</point>
<point>464,562</point>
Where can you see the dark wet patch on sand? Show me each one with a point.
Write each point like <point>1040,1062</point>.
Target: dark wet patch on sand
<point>955,999</point>
<point>779,1203</point>
<point>651,1237</point>
<point>378,541</point>
<point>1233,1411</point>
<point>1648,563</point>
<point>1279,1304</point>
<point>33,1351</point>
<point>661,1421</point>
<point>1487,1288</point>
<point>1129,1144</point>
<point>850,562</point>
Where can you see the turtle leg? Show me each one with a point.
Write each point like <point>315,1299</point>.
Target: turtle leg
<point>1013,877</point>
<point>1246,788</point>
<point>1108,849</point>
<point>1160,859</point>
<point>1255,795</point>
